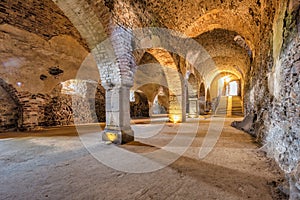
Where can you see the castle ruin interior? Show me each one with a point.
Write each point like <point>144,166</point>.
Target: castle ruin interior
<point>148,99</point>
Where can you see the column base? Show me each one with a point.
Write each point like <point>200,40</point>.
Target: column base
<point>193,115</point>
<point>118,136</point>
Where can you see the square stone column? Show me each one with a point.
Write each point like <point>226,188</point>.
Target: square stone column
<point>118,128</point>
<point>177,107</point>
<point>193,107</point>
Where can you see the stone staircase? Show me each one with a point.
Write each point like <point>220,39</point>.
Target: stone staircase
<point>229,106</point>
<point>237,109</point>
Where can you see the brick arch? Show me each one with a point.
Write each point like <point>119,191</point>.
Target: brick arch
<point>232,64</point>
<point>163,57</point>
<point>215,73</point>
<point>215,91</point>
<point>109,42</point>
<point>226,52</point>
<point>86,19</point>
<point>232,57</point>
<point>174,80</point>
<point>221,64</point>
<point>228,20</point>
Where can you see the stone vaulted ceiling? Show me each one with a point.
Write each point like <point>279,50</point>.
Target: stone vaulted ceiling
<point>213,24</point>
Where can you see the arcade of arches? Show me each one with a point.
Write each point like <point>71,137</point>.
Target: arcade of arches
<point>123,62</point>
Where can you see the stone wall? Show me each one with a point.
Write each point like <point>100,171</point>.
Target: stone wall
<point>273,90</point>
<point>257,92</point>
<point>282,140</point>
<point>39,49</point>
<point>88,109</point>
<point>58,111</point>
<point>26,111</point>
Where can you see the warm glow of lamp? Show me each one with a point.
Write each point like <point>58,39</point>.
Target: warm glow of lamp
<point>175,119</point>
<point>111,136</point>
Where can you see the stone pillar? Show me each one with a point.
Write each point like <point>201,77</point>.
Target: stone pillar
<point>177,107</point>
<point>118,128</point>
<point>117,66</point>
<point>193,107</point>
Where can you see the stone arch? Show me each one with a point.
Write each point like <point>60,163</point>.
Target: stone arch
<point>209,73</point>
<point>10,108</point>
<point>176,107</point>
<point>217,86</point>
<point>225,19</point>
<point>210,78</point>
<point>231,55</point>
<point>114,60</point>
<point>158,93</point>
<point>150,77</point>
<point>187,48</point>
<point>87,20</point>
<point>110,43</point>
<point>228,50</point>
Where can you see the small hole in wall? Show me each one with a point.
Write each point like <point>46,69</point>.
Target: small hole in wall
<point>55,71</point>
<point>258,3</point>
<point>43,77</point>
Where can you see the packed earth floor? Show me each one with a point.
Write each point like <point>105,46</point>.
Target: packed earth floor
<point>54,164</point>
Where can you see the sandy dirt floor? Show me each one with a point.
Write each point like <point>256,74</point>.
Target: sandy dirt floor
<point>54,164</point>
